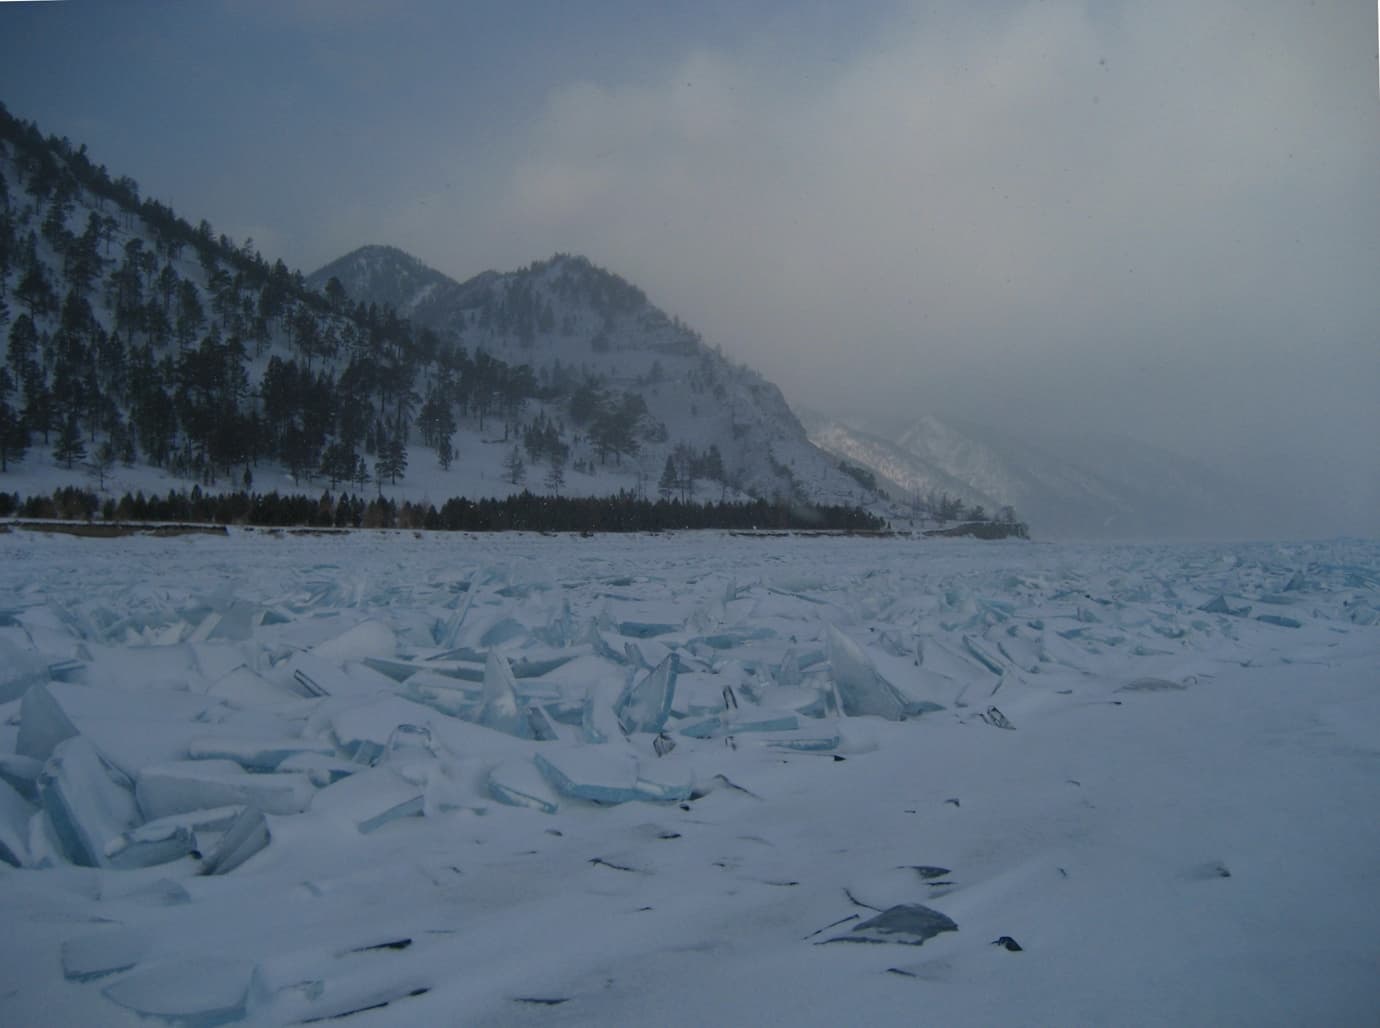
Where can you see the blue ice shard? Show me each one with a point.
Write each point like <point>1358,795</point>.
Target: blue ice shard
<point>789,671</point>
<point>500,709</point>
<point>601,646</point>
<point>196,993</point>
<point>818,740</point>
<point>746,720</point>
<point>86,801</point>
<point>1219,605</point>
<point>20,670</point>
<point>14,826</point>
<point>503,631</point>
<point>907,923</point>
<point>597,774</point>
<point>861,689</point>
<point>247,835</point>
<point>156,843</point>
<point>42,724</point>
<point>21,774</point>
<point>645,629</point>
<point>321,771</point>
<point>645,704</point>
<point>255,754</point>
<point>559,630</point>
<point>365,730</point>
<point>181,786</point>
<point>518,783</point>
<point>982,656</point>
<point>664,781</point>
<point>167,839</point>
<point>539,722</point>
<point>598,722</point>
<point>370,799</point>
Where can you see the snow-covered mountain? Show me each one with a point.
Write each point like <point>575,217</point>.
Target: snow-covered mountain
<point>572,322</point>
<point>153,354</point>
<point>1065,487</point>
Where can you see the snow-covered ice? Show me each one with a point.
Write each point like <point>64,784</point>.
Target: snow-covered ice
<point>521,780</point>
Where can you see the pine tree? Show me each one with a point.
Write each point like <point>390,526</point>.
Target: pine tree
<point>102,462</point>
<point>669,480</point>
<point>713,466</point>
<point>555,474</point>
<point>392,461</point>
<point>69,448</point>
<point>35,292</point>
<point>515,466</point>
<point>14,434</point>
<point>338,463</point>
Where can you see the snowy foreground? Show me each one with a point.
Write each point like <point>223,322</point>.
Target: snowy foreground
<point>695,779</point>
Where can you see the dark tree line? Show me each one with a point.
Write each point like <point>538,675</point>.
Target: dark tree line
<point>523,512</point>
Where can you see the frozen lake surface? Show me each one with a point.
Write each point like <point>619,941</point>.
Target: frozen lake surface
<point>523,780</point>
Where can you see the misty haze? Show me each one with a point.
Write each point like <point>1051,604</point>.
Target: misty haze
<point>535,514</point>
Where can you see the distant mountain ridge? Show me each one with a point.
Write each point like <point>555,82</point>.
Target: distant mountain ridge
<point>571,322</point>
<point>1080,488</point>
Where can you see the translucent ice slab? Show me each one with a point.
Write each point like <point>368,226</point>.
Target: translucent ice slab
<point>180,786</point>
<point>247,835</point>
<point>861,689</point>
<point>196,993</point>
<point>14,826</point>
<point>518,783</point>
<point>147,845</point>
<point>366,639</point>
<point>87,801</point>
<point>363,730</point>
<point>599,774</point>
<point>255,754</point>
<point>322,770</point>
<point>20,670</point>
<point>645,704</point>
<point>170,838</point>
<point>370,799</point>
<point>42,724</point>
<point>598,722</point>
<point>21,774</point>
<point>612,775</point>
<point>500,709</point>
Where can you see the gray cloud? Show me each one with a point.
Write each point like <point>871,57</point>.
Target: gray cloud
<point>1159,219</point>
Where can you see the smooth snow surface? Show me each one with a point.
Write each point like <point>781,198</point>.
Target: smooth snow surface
<point>522,780</point>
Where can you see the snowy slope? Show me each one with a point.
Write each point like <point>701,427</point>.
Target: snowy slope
<point>1064,487</point>
<point>570,321</point>
<point>272,780</point>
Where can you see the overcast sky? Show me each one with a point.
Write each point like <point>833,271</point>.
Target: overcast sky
<point>1160,219</point>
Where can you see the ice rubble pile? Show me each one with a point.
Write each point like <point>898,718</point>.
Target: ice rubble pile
<point>185,731</point>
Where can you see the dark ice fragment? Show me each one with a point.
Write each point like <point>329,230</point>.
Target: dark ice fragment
<point>907,923</point>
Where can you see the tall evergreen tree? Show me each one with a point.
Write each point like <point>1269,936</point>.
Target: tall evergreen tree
<point>669,479</point>
<point>515,467</point>
<point>34,291</point>
<point>555,474</point>
<point>14,434</point>
<point>392,460</point>
<point>69,447</point>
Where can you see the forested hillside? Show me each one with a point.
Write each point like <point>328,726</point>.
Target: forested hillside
<point>135,338</point>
